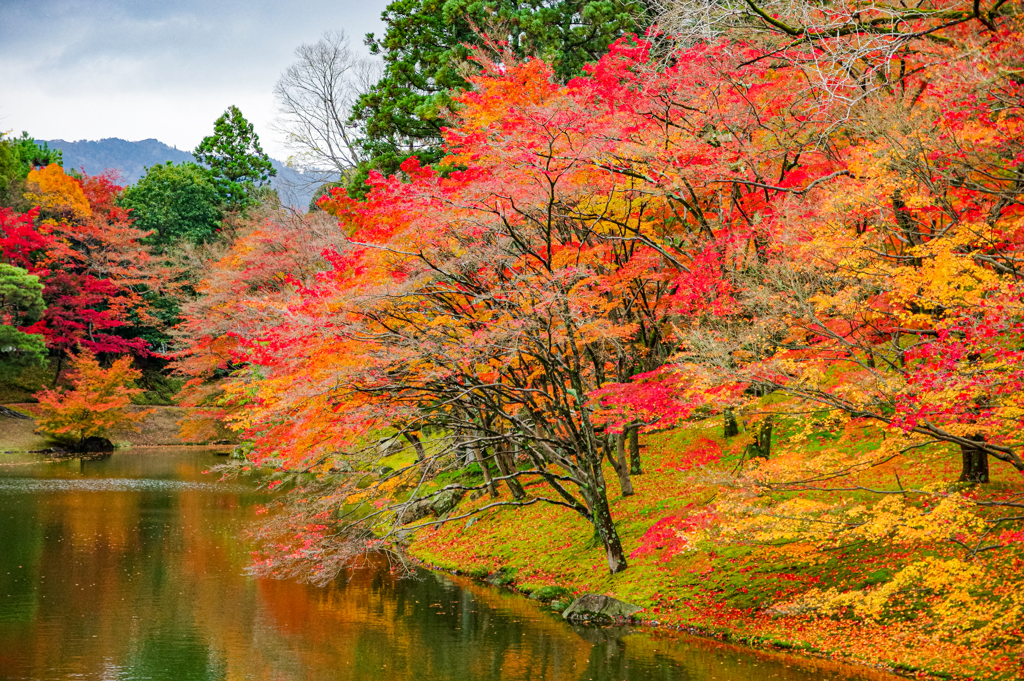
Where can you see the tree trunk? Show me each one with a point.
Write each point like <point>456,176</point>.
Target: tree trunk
<point>464,452</point>
<point>514,486</point>
<point>596,495</point>
<point>414,440</point>
<point>634,451</point>
<point>60,365</point>
<point>491,489</point>
<point>602,518</point>
<point>621,466</point>
<point>761,447</point>
<point>732,427</point>
<point>975,462</point>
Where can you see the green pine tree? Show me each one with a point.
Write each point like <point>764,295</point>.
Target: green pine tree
<point>21,304</point>
<point>234,156</point>
<point>425,55</point>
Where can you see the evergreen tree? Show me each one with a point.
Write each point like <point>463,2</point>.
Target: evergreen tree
<point>19,155</point>
<point>234,156</point>
<point>21,304</point>
<point>425,56</point>
<point>174,202</point>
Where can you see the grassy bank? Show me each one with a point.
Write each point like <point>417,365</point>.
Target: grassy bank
<point>741,587</point>
<point>160,428</point>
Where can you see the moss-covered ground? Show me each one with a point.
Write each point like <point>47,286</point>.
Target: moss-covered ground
<point>728,589</point>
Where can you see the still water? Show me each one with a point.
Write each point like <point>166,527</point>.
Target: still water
<point>132,567</point>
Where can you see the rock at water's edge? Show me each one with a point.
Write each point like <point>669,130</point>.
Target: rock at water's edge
<point>97,445</point>
<point>599,607</point>
<point>10,413</point>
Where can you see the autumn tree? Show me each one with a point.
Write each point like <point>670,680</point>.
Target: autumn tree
<point>245,288</point>
<point>487,304</point>
<point>22,243</point>
<point>491,304</point>
<point>98,271</point>
<point>97,403</point>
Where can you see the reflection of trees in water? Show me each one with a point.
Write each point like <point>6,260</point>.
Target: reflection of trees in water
<point>151,582</point>
<point>122,576</point>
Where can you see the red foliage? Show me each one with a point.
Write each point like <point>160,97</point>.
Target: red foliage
<point>703,452</point>
<point>80,313</point>
<point>90,259</point>
<point>676,533</point>
<point>22,243</point>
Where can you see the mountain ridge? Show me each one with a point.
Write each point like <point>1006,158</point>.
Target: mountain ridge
<point>131,158</point>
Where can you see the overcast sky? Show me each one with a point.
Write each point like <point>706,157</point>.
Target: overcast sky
<point>89,69</point>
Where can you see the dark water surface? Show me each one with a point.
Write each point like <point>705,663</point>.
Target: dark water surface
<point>132,568</point>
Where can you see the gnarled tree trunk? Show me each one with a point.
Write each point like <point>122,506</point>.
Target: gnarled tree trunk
<point>601,515</point>
<point>975,462</point>
<point>621,466</point>
<point>761,447</point>
<point>491,488</point>
<point>414,440</point>
<point>507,468</point>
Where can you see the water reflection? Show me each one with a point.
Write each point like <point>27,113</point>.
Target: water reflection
<point>30,486</point>
<point>131,568</point>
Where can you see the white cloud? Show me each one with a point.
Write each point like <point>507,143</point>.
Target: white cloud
<point>76,69</point>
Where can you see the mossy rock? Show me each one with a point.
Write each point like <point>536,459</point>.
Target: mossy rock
<point>502,577</point>
<point>446,501</point>
<point>598,608</point>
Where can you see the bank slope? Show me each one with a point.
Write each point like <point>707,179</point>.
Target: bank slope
<point>688,570</point>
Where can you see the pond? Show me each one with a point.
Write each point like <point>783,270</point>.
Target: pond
<point>132,567</point>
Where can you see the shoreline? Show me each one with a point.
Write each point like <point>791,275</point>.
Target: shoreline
<point>727,592</point>
<point>119,448</point>
<point>692,593</point>
<point>159,429</point>
<point>758,644</point>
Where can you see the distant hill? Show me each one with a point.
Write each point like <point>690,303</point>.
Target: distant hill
<point>131,159</point>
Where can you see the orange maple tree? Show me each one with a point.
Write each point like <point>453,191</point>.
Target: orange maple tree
<point>97,402</point>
